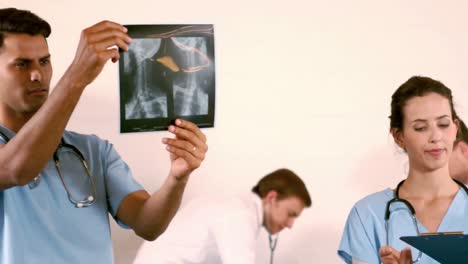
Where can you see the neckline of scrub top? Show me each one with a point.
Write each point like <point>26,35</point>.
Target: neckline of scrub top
<point>446,219</point>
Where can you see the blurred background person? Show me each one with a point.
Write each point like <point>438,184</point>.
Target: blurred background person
<point>213,230</point>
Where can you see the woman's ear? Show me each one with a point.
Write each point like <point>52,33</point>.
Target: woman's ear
<point>398,137</point>
<point>457,125</point>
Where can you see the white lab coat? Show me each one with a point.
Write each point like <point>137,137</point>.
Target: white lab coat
<point>209,230</point>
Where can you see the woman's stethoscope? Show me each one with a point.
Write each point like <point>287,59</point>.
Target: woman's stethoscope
<point>90,199</point>
<point>411,209</point>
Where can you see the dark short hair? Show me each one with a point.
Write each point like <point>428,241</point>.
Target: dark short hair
<point>17,21</point>
<point>416,86</point>
<point>286,183</point>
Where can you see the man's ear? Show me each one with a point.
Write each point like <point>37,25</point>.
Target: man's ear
<point>398,137</point>
<point>463,148</point>
<point>270,196</point>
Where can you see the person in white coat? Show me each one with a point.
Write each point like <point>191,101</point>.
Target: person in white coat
<point>226,230</point>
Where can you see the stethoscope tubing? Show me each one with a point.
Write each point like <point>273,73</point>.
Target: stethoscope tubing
<point>411,209</point>
<point>89,200</point>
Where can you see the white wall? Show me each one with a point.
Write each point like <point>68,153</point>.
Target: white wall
<point>300,84</point>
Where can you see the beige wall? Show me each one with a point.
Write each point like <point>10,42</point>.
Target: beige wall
<point>300,84</point>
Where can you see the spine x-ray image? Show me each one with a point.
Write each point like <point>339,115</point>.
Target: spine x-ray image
<point>168,72</point>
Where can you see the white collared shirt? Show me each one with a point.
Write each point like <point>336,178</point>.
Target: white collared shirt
<point>209,230</point>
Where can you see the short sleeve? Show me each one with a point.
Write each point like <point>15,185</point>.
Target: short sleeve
<point>119,180</point>
<point>356,242</point>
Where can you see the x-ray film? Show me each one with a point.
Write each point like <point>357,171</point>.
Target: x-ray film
<point>167,73</point>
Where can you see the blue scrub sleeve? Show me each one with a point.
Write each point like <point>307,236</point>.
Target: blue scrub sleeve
<point>119,181</point>
<point>356,242</point>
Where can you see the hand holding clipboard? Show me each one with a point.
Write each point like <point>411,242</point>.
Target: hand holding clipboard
<point>445,247</point>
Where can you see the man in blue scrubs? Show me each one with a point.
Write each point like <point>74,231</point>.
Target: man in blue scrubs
<point>56,186</point>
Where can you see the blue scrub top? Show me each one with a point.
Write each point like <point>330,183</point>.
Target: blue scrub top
<point>365,234</point>
<point>41,225</point>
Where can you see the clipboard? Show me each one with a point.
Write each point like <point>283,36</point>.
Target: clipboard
<point>446,248</point>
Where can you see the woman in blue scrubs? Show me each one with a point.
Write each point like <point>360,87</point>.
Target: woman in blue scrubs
<point>423,122</point>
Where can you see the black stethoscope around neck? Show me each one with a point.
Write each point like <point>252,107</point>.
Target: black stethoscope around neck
<point>408,204</point>
<point>89,199</point>
<point>397,199</point>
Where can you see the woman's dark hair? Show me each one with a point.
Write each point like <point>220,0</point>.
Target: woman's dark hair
<point>17,21</point>
<point>416,86</point>
<point>286,183</point>
<point>462,133</point>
